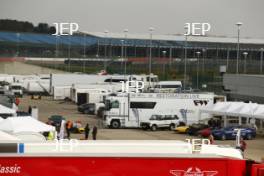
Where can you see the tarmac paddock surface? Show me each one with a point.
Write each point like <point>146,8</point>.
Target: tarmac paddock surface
<point>47,107</point>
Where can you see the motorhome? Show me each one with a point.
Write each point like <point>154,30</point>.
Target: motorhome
<point>129,110</point>
<point>168,87</point>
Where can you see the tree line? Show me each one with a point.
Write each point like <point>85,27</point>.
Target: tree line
<point>25,26</point>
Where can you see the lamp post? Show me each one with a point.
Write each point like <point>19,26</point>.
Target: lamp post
<point>105,52</point>
<point>122,51</point>
<point>17,47</point>
<point>164,56</point>
<point>151,29</point>
<point>261,59</point>
<point>245,61</point>
<point>125,32</point>
<point>197,69</point>
<point>185,57</point>
<point>69,54</point>
<point>204,50</point>
<point>84,51</point>
<point>239,24</point>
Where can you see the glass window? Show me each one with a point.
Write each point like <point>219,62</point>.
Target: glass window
<point>115,104</point>
<point>142,105</point>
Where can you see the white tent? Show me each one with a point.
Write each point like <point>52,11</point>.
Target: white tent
<point>6,110</point>
<point>24,124</point>
<point>7,137</point>
<point>239,109</point>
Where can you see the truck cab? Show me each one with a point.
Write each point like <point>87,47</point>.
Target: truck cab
<point>17,89</point>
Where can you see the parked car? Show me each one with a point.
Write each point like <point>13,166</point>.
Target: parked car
<point>230,133</point>
<point>87,108</point>
<point>56,120</point>
<point>161,121</point>
<point>205,132</point>
<point>182,129</point>
<point>194,128</point>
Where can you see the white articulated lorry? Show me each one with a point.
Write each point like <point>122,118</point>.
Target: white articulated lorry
<point>129,110</point>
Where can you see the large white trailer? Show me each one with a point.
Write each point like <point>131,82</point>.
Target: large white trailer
<point>85,79</point>
<point>128,110</point>
<point>61,92</point>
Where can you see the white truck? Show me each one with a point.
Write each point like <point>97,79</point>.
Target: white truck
<point>16,89</point>
<point>129,110</point>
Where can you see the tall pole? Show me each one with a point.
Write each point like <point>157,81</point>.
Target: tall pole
<point>185,59</point>
<point>105,48</point>
<point>261,59</point>
<point>245,61</point>
<point>197,69</point>
<point>238,37</point>
<point>204,51</point>
<point>17,47</point>
<point>151,29</point>
<point>84,51</point>
<point>69,54</point>
<point>164,56</point>
<point>122,51</point>
<point>170,56</point>
<point>125,32</point>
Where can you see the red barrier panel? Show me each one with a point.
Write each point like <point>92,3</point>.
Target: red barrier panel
<point>121,166</point>
<point>257,170</point>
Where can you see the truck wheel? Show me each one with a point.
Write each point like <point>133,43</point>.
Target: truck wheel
<point>115,124</point>
<point>172,126</point>
<point>154,127</point>
<point>223,137</point>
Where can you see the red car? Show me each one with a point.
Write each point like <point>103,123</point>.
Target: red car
<point>205,132</point>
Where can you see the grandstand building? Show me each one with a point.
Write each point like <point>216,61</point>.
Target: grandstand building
<point>101,45</point>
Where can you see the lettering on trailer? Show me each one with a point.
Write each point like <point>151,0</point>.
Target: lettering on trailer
<point>200,102</point>
<point>63,28</point>
<point>10,169</point>
<point>197,29</point>
<point>193,172</point>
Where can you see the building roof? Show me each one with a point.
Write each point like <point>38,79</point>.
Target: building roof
<point>169,37</point>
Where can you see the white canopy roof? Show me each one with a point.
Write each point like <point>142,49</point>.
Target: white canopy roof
<point>7,137</point>
<point>6,110</point>
<point>239,109</point>
<point>24,124</point>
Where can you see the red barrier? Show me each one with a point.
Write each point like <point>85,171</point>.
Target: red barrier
<point>121,166</point>
<point>257,170</point>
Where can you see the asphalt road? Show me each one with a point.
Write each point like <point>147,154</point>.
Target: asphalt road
<point>47,107</point>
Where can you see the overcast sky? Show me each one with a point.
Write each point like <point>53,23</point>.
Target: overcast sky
<point>166,16</point>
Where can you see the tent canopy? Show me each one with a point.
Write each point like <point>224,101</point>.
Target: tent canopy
<point>239,109</point>
<point>7,137</point>
<point>6,110</point>
<point>24,124</point>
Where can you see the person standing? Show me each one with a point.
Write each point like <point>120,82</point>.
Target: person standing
<point>86,131</point>
<point>94,133</point>
<point>30,110</point>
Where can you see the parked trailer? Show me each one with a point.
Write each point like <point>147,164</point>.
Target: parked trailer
<point>82,96</point>
<point>119,158</point>
<point>129,110</point>
<point>61,92</point>
<point>70,79</point>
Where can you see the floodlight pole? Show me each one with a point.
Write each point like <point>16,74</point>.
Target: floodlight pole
<point>239,24</point>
